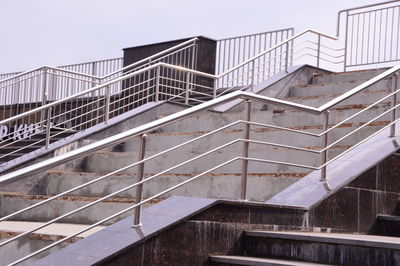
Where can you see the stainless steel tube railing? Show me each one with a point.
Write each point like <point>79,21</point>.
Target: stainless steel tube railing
<point>147,128</point>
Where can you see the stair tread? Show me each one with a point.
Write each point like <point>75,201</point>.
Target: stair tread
<point>334,238</point>
<point>358,82</point>
<point>55,229</point>
<point>247,260</point>
<point>333,95</point>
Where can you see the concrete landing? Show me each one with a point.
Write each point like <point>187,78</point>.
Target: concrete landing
<point>119,236</point>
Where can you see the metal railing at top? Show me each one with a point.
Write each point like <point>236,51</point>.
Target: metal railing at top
<point>233,51</point>
<point>16,85</point>
<point>371,34</point>
<point>307,47</point>
<point>153,83</point>
<point>98,68</point>
<point>244,157</point>
<point>31,89</point>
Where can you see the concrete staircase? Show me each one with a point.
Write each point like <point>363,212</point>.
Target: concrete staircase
<point>264,180</point>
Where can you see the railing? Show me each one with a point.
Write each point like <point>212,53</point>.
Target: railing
<point>8,75</point>
<point>307,47</point>
<point>234,51</point>
<point>372,34</point>
<point>34,88</point>
<point>156,82</point>
<point>96,68</point>
<point>247,124</point>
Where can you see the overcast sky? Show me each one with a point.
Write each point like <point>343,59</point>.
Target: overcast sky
<point>59,32</point>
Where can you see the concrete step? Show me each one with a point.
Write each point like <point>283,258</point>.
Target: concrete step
<point>388,225</point>
<point>336,88</point>
<point>107,162</point>
<point>39,239</point>
<point>365,98</point>
<point>262,185</point>
<point>347,76</point>
<point>160,142</point>
<point>12,202</point>
<point>208,121</point>
<point>253,261</point>
<point>328,248</point>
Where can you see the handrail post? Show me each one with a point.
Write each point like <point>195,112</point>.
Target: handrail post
<point>48,125</point>
<point>325,144</point>
<point>287,57</point>
<point>215,88</point>
<point>44,95</point>
<point>17,90</point>
<point>318,50</point>
<point>345,41</point>
<point>107,105</point>
<point>44,89</point>
<point>187,88</point>
<point>94,70</point>
<point>393,104</point>
<point>252,74</point>
<point>245,151</point>
<point>140,173</point>
<point>157,84</point>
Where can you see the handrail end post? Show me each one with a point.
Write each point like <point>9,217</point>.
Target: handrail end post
<point>140,175</point>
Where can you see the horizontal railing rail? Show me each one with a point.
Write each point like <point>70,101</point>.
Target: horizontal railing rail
<point>246,124</point>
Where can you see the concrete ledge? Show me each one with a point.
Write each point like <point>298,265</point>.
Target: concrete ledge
<point>389,218</point>
<point>118,237</point>
<point>332,238</point>
<point>310,191</point>
<point>246,260</point>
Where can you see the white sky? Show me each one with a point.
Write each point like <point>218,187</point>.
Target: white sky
<point>58,32</point>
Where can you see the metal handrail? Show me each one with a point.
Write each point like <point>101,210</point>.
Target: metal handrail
<point>149,127</point>
<point>359,7</point>
<point>277,46</point>
<point>145,60</point>
<point>43,107</point>
<point>185,113</point>
<point>77,95</point>
<point>168,120</point>
<point>52,68</point>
